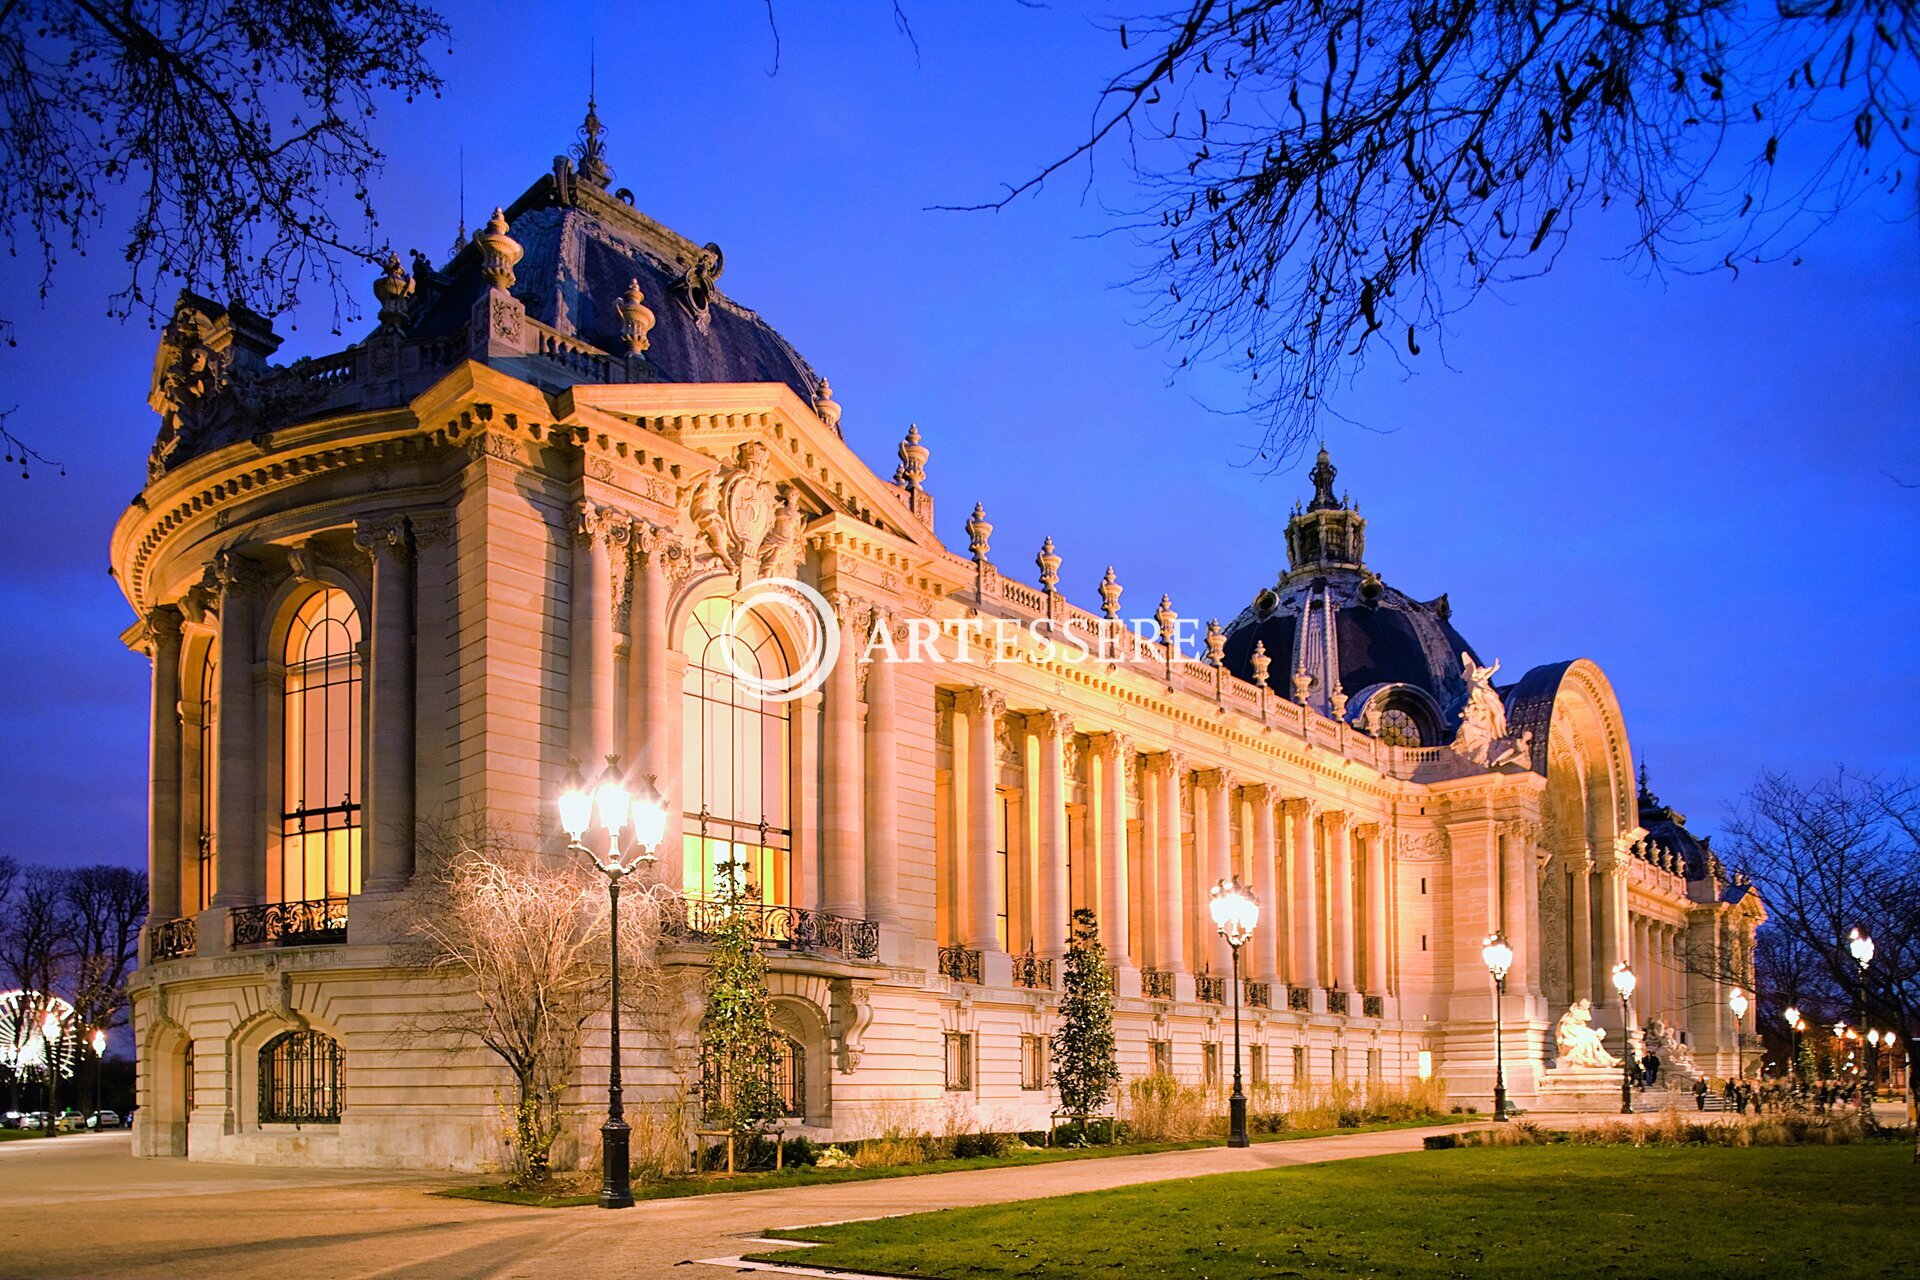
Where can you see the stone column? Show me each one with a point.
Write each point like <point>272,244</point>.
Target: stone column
<point>1217,858</point>
<point>1172,918</point>
<point>1340,895</point>
<point>653,694</point>
<point>1305,922</point>
<point>843,892</point>
<point>239,849</point>
<point>1583,981</point>
<point>1516,868</point>
<point>590,670</point>
<point>1114,752</point>
<point>163,768</point>
<point>883,784</point>
<point>981,707</point>
<point>1614,940</point>
<point>1374,850</point>
<point>389,812</point>
<point>1262,953</point>
<point>1052,728</point>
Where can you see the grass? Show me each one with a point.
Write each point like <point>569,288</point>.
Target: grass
<point>1491,1213</point>
<point>567,1196</point>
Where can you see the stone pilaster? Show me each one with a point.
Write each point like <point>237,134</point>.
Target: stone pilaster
<point>239,849</point>
<point>1214,803</point>
<point>1171,915</point>
<point>1304,922</point>
<point>1378,921</point>
<point>1113,753</point>
<point>388,816</point>
<point>1262,952</point>
<point>1053,729</point>
<point>843,887</point>
<point>883,783</point>
<point>590,706</point>
<point>981,708</point>
<point>1340,903</point>
<point>163,768</point>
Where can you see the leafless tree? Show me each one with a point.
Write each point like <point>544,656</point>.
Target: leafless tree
<point>1330,180</point>
<point>36,947</point>
<point>522,936</point>
<point>105,907</point>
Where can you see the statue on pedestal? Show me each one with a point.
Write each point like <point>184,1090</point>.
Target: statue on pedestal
<point>1582,1044</point>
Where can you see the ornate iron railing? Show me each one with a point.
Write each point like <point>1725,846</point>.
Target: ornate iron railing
<point>1300,999</point>
<point>1336,1000</point>
<point>962,964</point>
<point>1258,995</point>
<point>1033,971</point>
<point>792,928</point>
<point>1373,1006</point>
<point>171,939</point>
<point>1157,984</point>
<point>290,924</point>
<point>1208,989</point>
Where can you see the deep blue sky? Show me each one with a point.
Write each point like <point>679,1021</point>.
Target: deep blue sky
<point>1687,481</point>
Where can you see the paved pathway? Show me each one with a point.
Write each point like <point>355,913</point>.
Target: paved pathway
<point>82,1206</point>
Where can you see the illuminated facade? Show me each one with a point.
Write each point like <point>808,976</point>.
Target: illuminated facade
<point>413,580</point>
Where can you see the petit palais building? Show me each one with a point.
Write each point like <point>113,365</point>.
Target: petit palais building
<point>506,530</point>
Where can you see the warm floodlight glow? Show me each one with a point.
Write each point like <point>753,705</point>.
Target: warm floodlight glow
<point>1497,955</point>
<point>1624,981</point>
<point>99,1042</point>
<point>576,804</point>
<point>1861,946</point>
<point>649,817</point>
<point>1737,1001</point>
<point>1235,911</point>
<point>610,798</point>
<point>1791,1016</point>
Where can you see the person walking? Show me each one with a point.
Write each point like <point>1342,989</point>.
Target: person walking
<point>1700,1094</point>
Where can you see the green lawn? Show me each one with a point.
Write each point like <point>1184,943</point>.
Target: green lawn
<point>765,1180</point>
<point>1530,1213</point>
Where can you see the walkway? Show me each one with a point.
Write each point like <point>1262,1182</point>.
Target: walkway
<point>82,1206</point>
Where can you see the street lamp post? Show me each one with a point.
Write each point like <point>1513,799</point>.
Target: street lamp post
<point>1499,958</point>
<point>98,1042</point>
<point>1624,982</point>
<point>617,809</point>
<point>1861,947</point>
<point>1235,911</point>
<point>1791,1016</point>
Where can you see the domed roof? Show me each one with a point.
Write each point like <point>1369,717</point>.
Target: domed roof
<point>1340,639</point>
<point>1668,840</point>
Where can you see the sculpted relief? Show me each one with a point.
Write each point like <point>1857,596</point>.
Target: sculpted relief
<point>745,521</point>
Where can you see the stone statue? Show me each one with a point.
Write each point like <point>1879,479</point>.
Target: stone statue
<point>1581,1044</point>
<point>1484,737</point>
<point>1676,1058</point>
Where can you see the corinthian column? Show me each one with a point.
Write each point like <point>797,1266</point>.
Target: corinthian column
<point>1114,752</point>
<point>1583,984</point>
<point>239,850</point>
<point>1340,893</point>
<point>981,707</point>
<point>1263,953</point>
<point>590,675</point>
<point>388,838</point>
<point>883,784</point>
<point>1304,927</point>
<point>653,695</point>
<point>163,769</point>
<point>1374,849</point>
<point>1053,728</point>
<point>844,890</point>
<point>1172,921</point>
<point>1518,919</point>
<point>1218,784</point>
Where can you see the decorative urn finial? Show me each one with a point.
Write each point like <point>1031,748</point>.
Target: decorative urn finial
<point>826,407</point>
<point>912,472</point>
<point>1110,590</point>
<point>978,531</point>
<point>1164,617</point>
<point>636,319</point>
<point>1260,663</point>
<point>393,288</point>
<point>499,252</point>
<point>1216,644</point>
<point>1049,562</point>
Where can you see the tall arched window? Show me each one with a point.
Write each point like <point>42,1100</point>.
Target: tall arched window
<point>320,797</point>
<point>209,775</point>
<point>303,1079</point>
<point>736,763</point>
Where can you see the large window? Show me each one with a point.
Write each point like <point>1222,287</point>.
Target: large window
<point>209,747</point>
<point>320,790</point>
<point>736,764</point>
<point>302,1079</point>
<point>790,1076</point>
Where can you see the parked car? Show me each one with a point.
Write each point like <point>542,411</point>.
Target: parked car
<point>71,1122</point>
<point>104,1120</point>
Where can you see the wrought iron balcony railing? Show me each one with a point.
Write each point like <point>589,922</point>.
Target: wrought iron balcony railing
<point>1208,989</point>
<point>790,928</point>
<point>1258,995</point>
<point>1033,971</point>
<point>313,922</point>
<point>171,939</point>
<point>962,964</point>
<point>1373,1006</point>
<point>1300,999</point>
<point>1157,984</point>
<point>1336,1000</point>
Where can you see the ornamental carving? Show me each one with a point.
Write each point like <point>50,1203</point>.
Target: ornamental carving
<point>744,520</point>
<point>210,378</point>
<point>1484,737</point>
<point>1424,846</point>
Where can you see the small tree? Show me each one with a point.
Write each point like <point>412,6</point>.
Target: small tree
<point>736,1031</point>
<point>1084,1067</point>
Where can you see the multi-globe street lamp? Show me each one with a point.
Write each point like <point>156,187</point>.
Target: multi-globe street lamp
<point>1235,912</point>
<point>617,810</point>
<point>1624,983</point>
<point>1498,956</point>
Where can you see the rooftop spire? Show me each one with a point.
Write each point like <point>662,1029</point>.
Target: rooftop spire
<point>1330,533</point>
<point>1323,474</point>
<point>591,151</point>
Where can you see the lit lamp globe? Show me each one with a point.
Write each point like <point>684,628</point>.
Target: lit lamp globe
<point>649,817</point>
<point>576,803</point>
<point>1737,1001</point>
<point>1861,946</point>
<point>1235,911</point>
<point>1791,1016</point>
<point>1498,955</point>
<point>610,798</point>
<point>99,1042</point>
<point>1840,1031</point>
<point>1624,980</point>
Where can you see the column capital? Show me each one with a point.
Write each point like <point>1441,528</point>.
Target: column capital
<point>589,521</point>
<point>233,574</point>
<point>980,701</point>
<point>1300,807</point>
<point>1336,819</point>
<point>1367,830</point>
<point>1111,744</point>
<point>1260,792</point>
<point>382,536</point>
<point>163,623</point>
<point>1050,724</point>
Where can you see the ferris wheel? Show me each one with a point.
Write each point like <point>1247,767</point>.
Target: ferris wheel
<point>37,1032</point>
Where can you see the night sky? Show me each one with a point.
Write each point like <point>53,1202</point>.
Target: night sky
<point>1694,481</point>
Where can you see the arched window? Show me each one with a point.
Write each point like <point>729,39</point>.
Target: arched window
<point>302,1079</point>
<point>209,747</point>
<point>736,763</point>
<point>790,1076</point>
<point>320,798</point>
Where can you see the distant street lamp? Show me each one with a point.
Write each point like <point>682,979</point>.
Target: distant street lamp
<point>647,816</point>
<point>1235,912</point>
<point>1861,946</point>
<point>1499,958</point>
<point>1791,1016</point>
<point>99,1042</point>
<point>1624,982</point>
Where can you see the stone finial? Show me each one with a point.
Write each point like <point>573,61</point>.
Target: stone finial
<point>1260,663</point>
<point>1164,617</point>
<point>1302,686</point>
<point>1049,562</point>
<point>393,288</point>
<point>826,408</point>
<point>499,252</point>
<point>1323,473</point>
<point>912,472</point>
<point>636,319</point>
<point>1216,643</point>
<point>978,531</point>
<point>1110,590</point>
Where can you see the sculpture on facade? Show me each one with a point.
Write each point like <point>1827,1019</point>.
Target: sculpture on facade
<point>1676,1059</point>
<point>1581,1044</point>
<point>1484,737</point>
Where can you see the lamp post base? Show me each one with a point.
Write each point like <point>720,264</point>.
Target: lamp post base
<point>1237,1120</point>
<point>616,1192</point>
<point>1500,1101</point>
